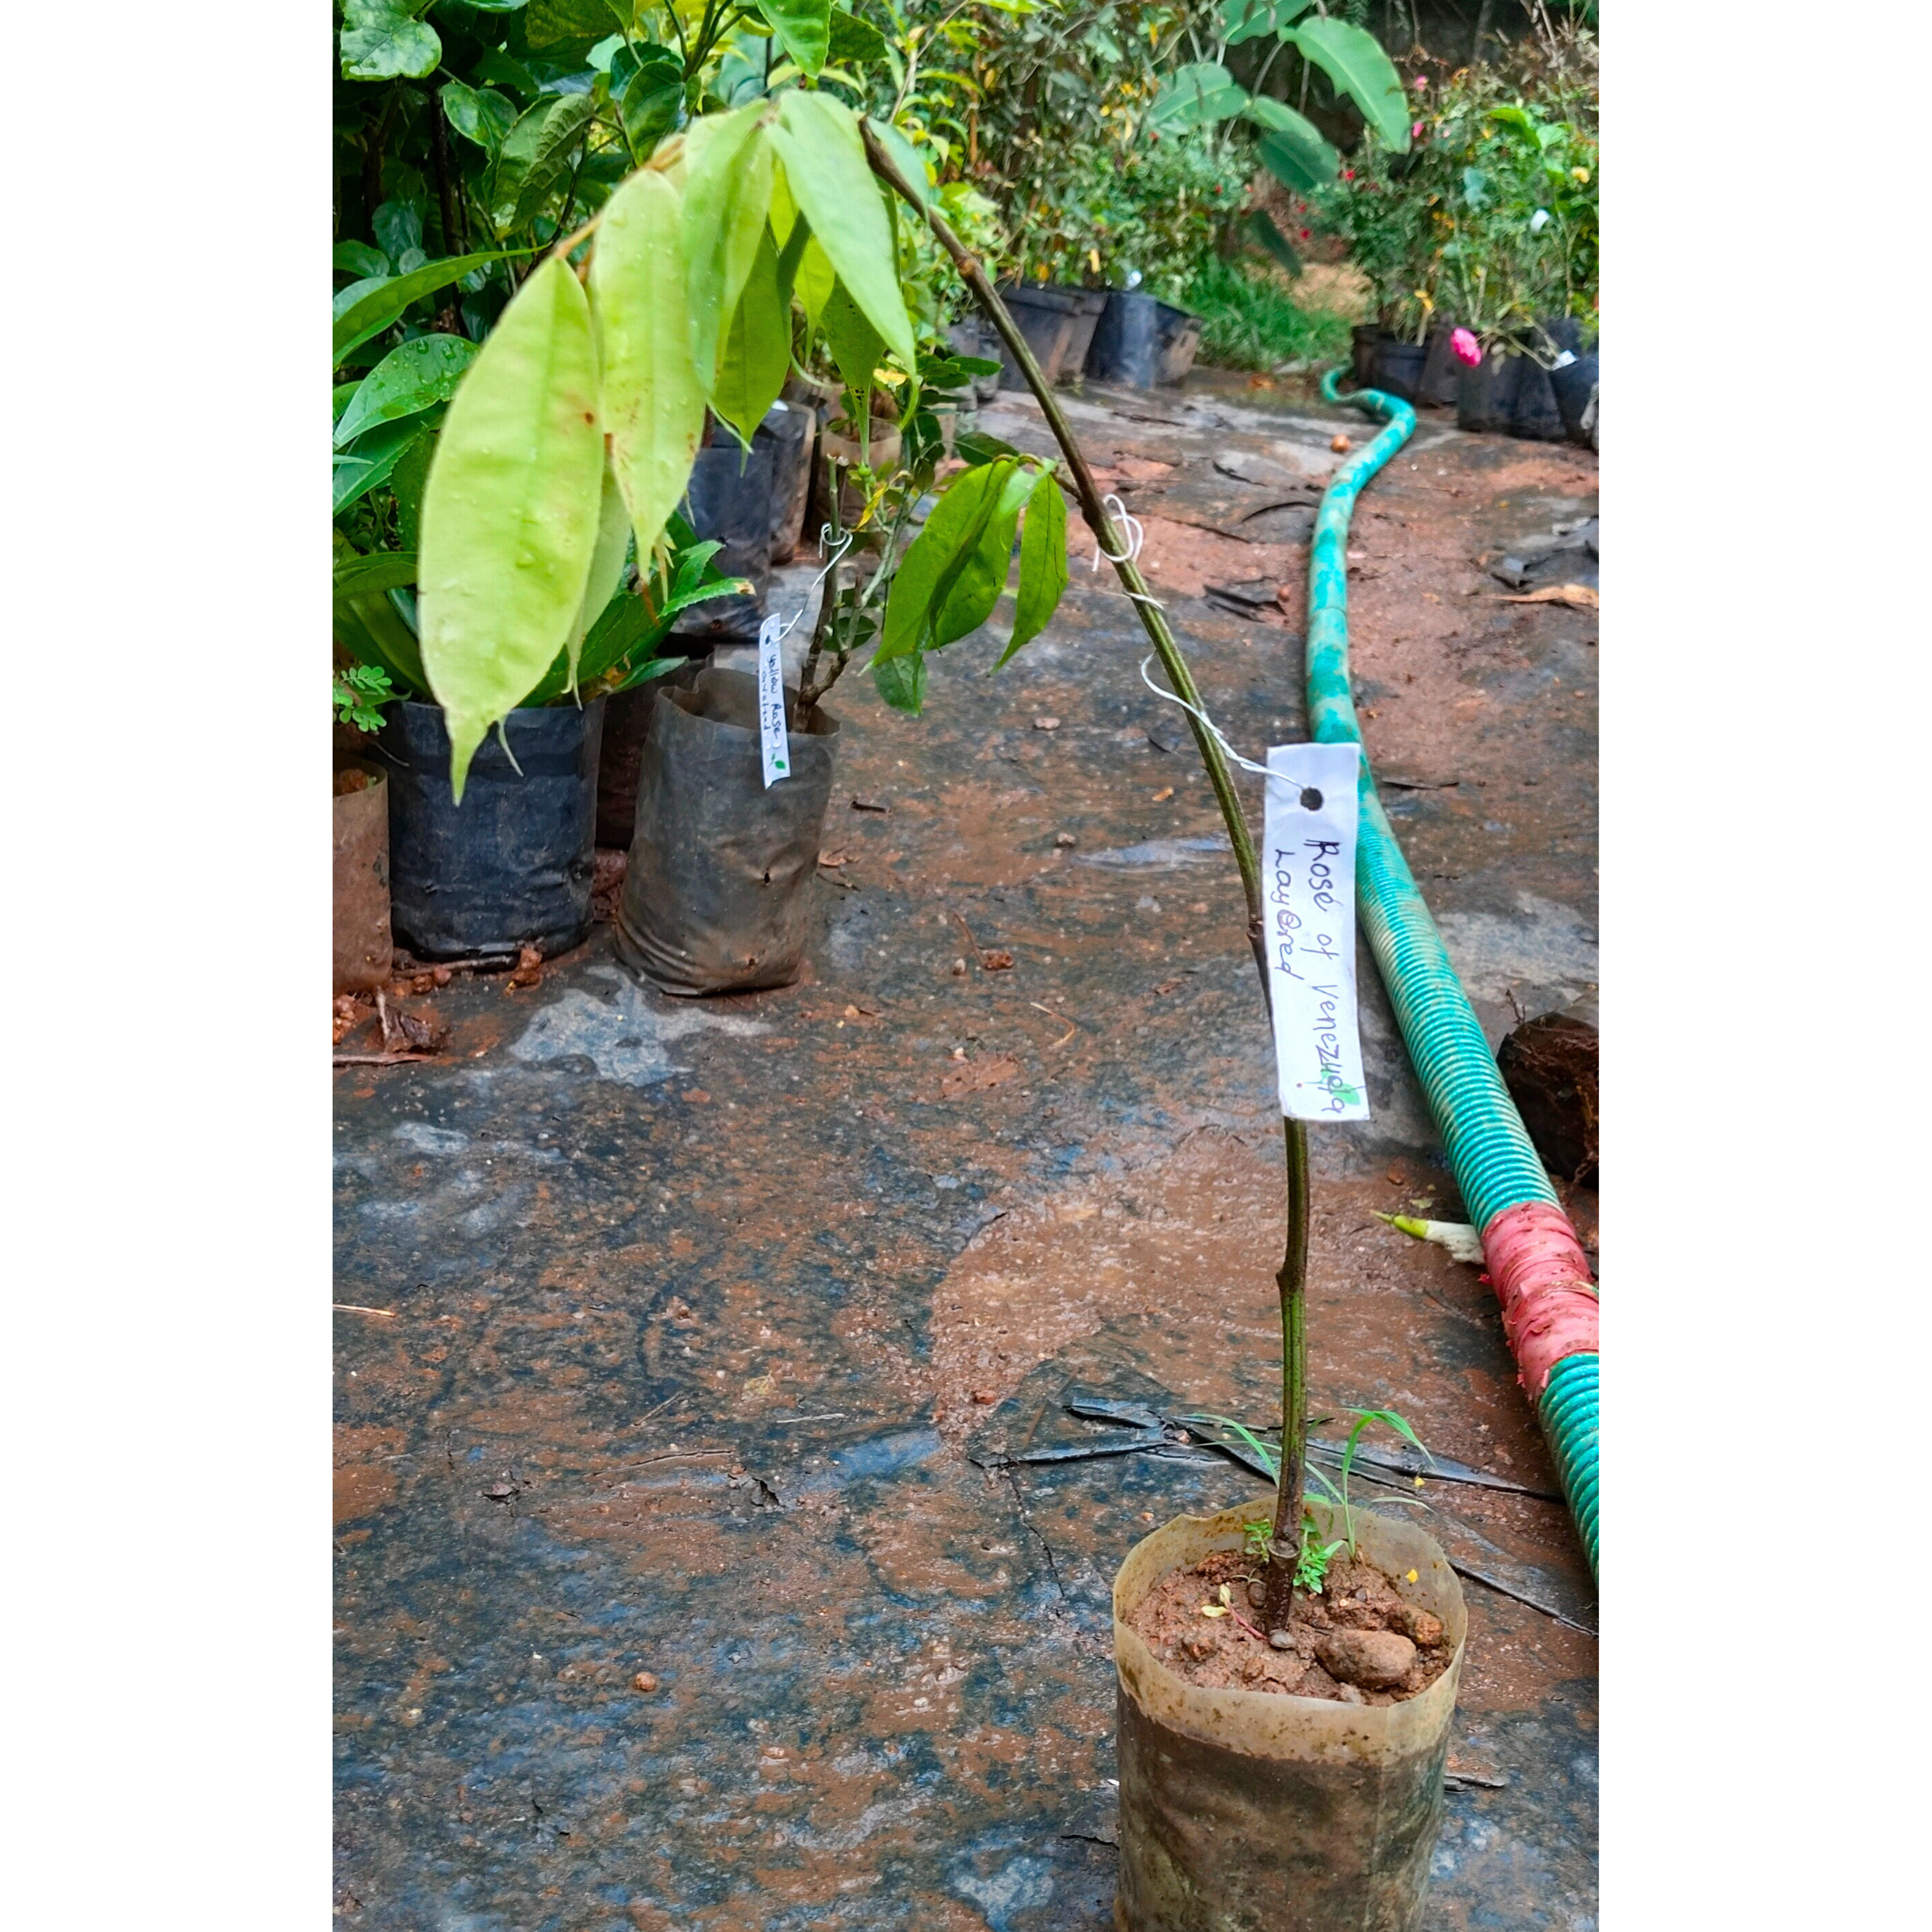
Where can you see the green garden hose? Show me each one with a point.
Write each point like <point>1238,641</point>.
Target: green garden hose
<point>1538,1266</point>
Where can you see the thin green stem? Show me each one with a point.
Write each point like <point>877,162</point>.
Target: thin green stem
<point>1286,1547</point>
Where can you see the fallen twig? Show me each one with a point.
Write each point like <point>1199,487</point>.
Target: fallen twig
<point>354,1308</point>
<point>378,1059</point>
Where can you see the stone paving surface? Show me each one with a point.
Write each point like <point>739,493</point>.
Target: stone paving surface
<point>700,1307</point>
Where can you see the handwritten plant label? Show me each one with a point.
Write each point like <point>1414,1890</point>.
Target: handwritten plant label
<point>1308,902</point>
<point>772,741</point>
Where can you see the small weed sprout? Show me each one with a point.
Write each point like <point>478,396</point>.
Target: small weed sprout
<point>1311,1566</point>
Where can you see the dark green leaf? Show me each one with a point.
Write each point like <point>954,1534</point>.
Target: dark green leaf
<point>533,155</point>
<point>497,68</point>
<point>367,625</point>
<point>854,343</point>
<point>362,312</point>
<point>407,481</point>
<point>1299,162</point>
<point>1043,565</point>
<point>1247,20</point>
<point>969,600</point>
<point>479,114</point>
<point>412,377</point>
<point>358,258</point>
<point>976,446</point>
<point>649,106</point>
<point>359,470</point>
<point>853,39</point>
<point>804,26</point>
<point>398,226</point>
<point>937,555</point>
<point>555,25</point>
<point>902,682</point>
<point>1262,229</point>
<point>381,42</point>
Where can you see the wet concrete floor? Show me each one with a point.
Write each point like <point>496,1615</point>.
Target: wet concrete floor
<point>698,1313</point>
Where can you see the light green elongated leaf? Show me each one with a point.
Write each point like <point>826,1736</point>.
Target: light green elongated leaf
<point>653,403</point>
<point>757,351</point>
<point>854,344</point>
<point>534,155</point>
<point>358,471</point>
<point>1202,91</point>
<point>911,162</point>
<point>479,114</point>
<point>381,305</point>
<point>606,569</point>
<point>414,376</point>
<point>902,681</point>
<point>1292,146</point>
<point>359,258</point>
<point>510,517</point>
<point>976,589</point>
<point>1248,19</point>
<point>1043,565</point>
<point>1302,163</point>
<point>814,283</point>
<point>727,192</point>
<point>803,26</point>
<point>380,41</point>
<point>818,140</point>
<point>935,557</point>
<point>1352,57</point>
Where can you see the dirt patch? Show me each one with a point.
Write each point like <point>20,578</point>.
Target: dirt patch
<point>1359,1642</point>
<point>1185,558</point>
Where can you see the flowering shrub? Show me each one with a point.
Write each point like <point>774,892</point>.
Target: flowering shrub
<point>1491,217</point>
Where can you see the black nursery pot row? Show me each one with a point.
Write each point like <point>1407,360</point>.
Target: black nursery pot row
<point>715,897</point>
<point>1121,336</point>
<point>1505,395</point>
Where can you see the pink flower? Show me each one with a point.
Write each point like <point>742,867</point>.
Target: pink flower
<point>1466,347</point>
<point>1415,132</point>
<point>1421,82</point>
<point>1348,174</point>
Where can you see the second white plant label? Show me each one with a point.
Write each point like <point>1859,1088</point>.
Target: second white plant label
<point>1308,902</point>
<point>772,741</point>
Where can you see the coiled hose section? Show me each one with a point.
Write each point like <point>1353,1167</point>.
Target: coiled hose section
<point>1541,1276</point>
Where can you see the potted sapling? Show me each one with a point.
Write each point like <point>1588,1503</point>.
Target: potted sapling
<point>1304,1790</point>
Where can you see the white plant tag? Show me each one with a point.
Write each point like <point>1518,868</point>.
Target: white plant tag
<point>1308,909</point>
<point>772,739</point>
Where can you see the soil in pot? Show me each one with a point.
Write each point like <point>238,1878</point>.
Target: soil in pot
<point>717,896</point>
<point>511,866</point>
<point>1245,1809</point>
<point>364,949</point>
<point>1358,1642</point>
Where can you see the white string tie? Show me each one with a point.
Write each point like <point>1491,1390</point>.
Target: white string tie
<point>1213,729</point>
<point>838,557</point>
